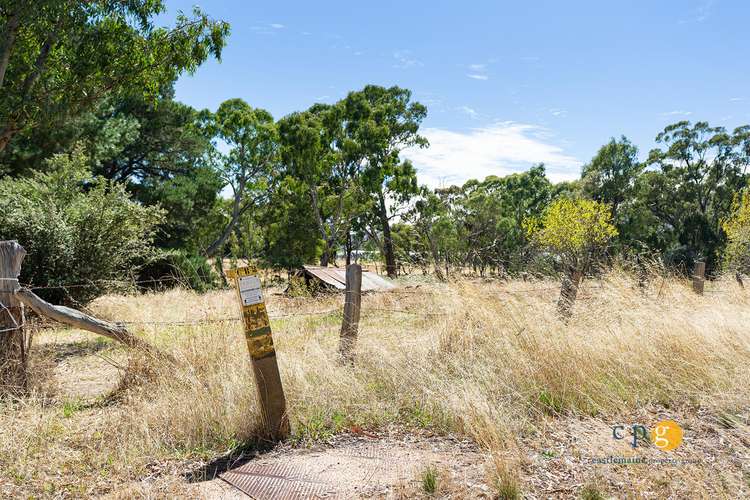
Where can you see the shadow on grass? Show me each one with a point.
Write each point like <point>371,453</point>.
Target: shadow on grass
<point>236,457</point>
<point>61,351</point>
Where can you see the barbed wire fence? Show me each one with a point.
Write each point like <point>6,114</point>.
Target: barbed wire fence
<point>130,284</point>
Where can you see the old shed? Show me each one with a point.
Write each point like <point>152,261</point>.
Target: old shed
<point>335,277</point>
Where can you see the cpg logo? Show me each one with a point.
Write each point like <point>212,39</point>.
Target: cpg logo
<point>666,435</point>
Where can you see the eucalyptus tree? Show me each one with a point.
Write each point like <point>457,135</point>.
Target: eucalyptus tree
<point>576,232</point>
<point>383,122</point>
<point>249,166</point>
<point>318,150</point>
<point>691,188</point>
<point>59,57</point>
<point>611,177</point>
<point>493,211</point>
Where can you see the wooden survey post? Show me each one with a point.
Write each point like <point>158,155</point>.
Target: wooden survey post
<point>262,352</point>
<point>699,277</point>
<point>352,307</point>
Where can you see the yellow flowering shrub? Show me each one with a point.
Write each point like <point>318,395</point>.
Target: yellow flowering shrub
<point>737,228</point>
<point>572,229</point>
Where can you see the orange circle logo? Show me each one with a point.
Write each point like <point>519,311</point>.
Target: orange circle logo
<point>666,435</point>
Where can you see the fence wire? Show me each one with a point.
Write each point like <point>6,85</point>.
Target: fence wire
<point>227,319</point>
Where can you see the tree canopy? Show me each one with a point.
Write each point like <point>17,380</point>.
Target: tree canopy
<point>58,58</point>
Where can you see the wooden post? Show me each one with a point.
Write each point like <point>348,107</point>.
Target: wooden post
<point>352,306</point>
<point>13,341</point>
<point>699,277</point>
<point>262,352</point>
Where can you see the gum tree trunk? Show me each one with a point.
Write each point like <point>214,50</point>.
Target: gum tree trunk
<point>568,293</point>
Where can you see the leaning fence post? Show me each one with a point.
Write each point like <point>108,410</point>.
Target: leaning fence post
<point>352,305</point>
<point>262,352</point>
<point>13,342</point>
<point>699,277</point>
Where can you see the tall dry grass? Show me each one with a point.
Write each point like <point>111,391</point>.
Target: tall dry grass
<point>487,359</point>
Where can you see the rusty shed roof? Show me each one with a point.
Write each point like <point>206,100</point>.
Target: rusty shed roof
<point>336,277</point>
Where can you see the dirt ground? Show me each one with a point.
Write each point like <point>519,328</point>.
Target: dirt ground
<point>391,464</point>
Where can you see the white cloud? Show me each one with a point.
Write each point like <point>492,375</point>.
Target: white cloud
<point>558,112</point>
<point>677,112</point>
<point>405,59</point>
<point>736,99</point>
<point>477,76</point>
<point>498,149</point>
<point>276,26</point>
<point>477,67</point>
<point>700,13</point>
<point>469,111</point>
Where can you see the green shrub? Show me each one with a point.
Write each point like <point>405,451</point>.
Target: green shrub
<point>430,480</point>
<point>171,268</point>
<point>76,229</point>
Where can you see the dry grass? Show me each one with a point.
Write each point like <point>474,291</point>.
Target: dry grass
<point>485,359</point>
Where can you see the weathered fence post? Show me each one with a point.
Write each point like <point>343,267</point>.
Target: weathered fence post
<point>13,342</point>
<point>352,305</point>
<point>262,352</point>
<point>699,277</point>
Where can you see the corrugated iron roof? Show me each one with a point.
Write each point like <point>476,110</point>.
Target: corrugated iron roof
<point>336,277</point>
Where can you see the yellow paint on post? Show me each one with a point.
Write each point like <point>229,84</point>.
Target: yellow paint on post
<point>260,345</point>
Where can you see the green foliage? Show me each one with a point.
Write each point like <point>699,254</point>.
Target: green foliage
<point>291,236</point>
<point>481,223</point>
<point>576,231</point>
<point>683,201</point>
<point>249,166</point>
<point>188,201</point>
<point>611,177</point>
<point>76,228</point>
<point>429,480</point>
<point>154,147</point>
<point>384,121</point>
<point>347,157</point>
<point>737,228</point>
<point>65,55</point>
<point>170,268</point>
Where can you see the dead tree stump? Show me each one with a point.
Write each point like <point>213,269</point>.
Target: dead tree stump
<point>14,344</point>
<point>568,293</point>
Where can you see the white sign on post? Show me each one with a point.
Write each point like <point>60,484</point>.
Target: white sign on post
<point>250,291</point>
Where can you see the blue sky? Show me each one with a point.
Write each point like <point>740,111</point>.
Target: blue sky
<point>507,84</point>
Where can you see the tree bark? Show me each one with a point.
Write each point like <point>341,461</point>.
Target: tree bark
<point>568,293</point>
<point>11,128</point>
<point>11,29</point>
<point>236,214</point>
<point>14,344</point>
<point>391,266</point>
<point>83,321</point>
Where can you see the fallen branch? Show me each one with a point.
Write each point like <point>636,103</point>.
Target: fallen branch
<point>83,321</point>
